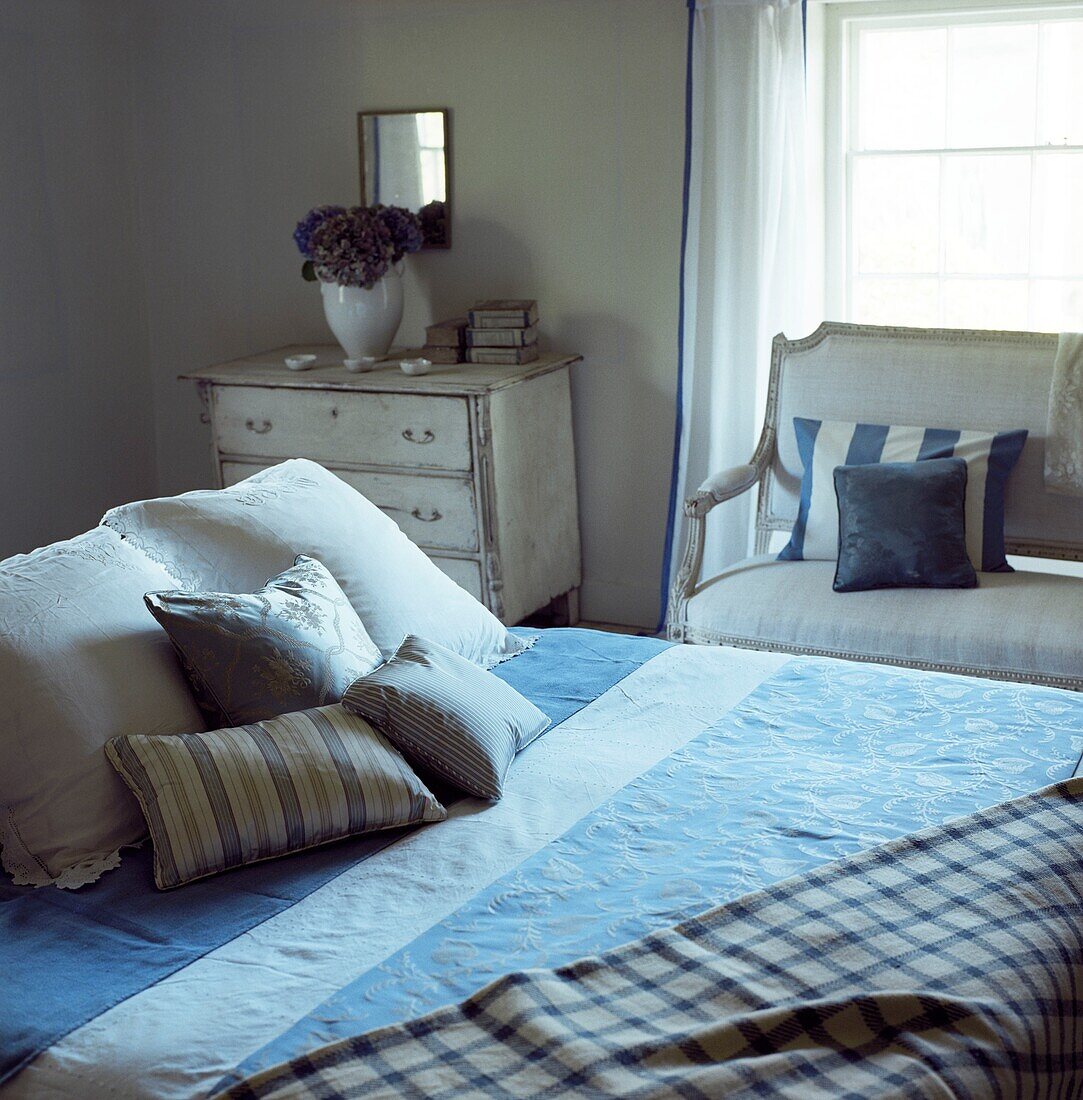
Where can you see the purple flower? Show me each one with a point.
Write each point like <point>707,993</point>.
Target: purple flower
<point>310,223</point>
<point>404,227</point>
<point>433,218</point>
<point>352,248</point>
<point>356,247</point>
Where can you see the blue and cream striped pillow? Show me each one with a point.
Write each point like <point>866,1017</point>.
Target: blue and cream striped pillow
<point>445,714</point>
<point>825,444</point>
<point>218,800</point>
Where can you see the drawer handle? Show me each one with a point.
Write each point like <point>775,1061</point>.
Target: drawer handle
<point>432,517</point>
<point>264,426</point>
<point>408,435</point>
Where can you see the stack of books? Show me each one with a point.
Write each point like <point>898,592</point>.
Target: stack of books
<point>503,331</point>
<point>445,342</point>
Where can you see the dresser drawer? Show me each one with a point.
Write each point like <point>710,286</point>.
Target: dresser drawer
<point>435,512</point>
<point>466,574</point>
<point>372,429</point>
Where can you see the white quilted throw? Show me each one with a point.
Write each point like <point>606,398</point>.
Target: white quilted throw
<point>1064,435</point>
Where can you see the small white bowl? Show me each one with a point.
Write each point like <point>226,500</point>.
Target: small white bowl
<point>415,366</point>
<point>366,362</point>
<point>300,362</point>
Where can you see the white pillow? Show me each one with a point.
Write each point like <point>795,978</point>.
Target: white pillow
<point>81,661</point>
<point>232,540</point>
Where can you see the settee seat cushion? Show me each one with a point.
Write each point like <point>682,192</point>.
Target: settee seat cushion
<point>1014,626</point>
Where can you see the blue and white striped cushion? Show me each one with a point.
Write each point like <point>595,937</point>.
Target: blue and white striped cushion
<point>445,714</point>
<point>217,800</point>
<point>825,444</point>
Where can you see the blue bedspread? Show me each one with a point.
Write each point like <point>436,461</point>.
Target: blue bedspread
<point>67,956</point>
<point>824,759</point>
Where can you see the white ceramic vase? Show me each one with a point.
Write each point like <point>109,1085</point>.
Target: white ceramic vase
<point>365,321</point>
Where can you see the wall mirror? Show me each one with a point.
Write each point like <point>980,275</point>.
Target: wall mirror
<point>404,162</point>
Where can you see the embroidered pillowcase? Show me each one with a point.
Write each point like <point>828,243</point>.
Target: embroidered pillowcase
<point>214,801</point>
<point>80,662</point>
<point>297,643</point>
<point>901,525</point>
<point>447,715</point>
<point>232,540</point>
<point>825,444</point>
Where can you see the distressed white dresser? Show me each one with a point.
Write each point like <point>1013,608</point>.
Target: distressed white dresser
<point>475,463</point>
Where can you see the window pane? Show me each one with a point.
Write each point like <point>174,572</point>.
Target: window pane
<point>1058,214</point>
<point>977,239</point>
<point>1061,87</point>
<point>985,303</point>
<point>430,129</point>
<point>432,176</point>
<point>986,209</point>
<point>992,85</point>
<point>1056,305</point>
<point>900,94</point>
<point>896,213</point>
<point>896,302</point>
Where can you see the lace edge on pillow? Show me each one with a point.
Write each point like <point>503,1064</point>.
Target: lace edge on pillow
<point>30,871</point>
<point>182,579</point>
<point>525,642</point>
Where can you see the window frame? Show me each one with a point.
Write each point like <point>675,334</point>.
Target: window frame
<point>832,27</point>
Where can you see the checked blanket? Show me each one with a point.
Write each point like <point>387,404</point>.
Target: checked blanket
<point>945,964</point>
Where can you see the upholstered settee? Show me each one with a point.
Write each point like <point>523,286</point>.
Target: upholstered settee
<point>1023,625</point>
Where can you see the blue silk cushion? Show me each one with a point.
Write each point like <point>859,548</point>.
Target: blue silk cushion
<point>903,525</point>
<point>824,444</point>
<point>295,644</point>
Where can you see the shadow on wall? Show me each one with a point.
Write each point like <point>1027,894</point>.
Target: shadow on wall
<point>487,260</point>
<point>623,419</point>
<point>623,439</point>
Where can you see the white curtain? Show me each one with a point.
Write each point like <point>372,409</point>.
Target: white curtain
<point>744,256</point>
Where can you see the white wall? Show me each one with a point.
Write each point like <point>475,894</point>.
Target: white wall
<point>567,138</point>
<point>76,428</point>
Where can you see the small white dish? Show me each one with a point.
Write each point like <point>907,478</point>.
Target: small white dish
<point>415,366</point>
<point>366,362</point>
<point>300,362</point>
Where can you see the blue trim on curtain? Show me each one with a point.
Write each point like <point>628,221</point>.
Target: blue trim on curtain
<point>678,431</point>
<point>678,428</point>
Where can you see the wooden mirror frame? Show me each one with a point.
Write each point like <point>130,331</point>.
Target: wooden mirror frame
<point>362,115</point>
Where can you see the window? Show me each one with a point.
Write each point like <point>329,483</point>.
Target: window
<point>431,156</point>
<point>954,165</point>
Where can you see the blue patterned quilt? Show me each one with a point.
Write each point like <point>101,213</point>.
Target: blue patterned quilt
<point>68,956</point>
<point>823,760</point>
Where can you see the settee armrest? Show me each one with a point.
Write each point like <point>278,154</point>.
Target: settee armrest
<point>719,487</point>
<point>722,486</point>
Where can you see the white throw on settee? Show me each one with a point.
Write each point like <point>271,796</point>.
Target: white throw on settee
<point>1015,626</point>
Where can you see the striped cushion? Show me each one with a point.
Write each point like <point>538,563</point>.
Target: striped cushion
<point>446,714</point>
<point>825,444</point>
<point>218,800</point>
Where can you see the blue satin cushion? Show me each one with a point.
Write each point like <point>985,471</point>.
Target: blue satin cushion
<point>296,644</point>
<point>902,525</point>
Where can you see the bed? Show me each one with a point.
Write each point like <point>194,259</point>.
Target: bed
<point>675,779</point>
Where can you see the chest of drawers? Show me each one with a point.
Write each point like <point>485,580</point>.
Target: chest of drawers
<point>475,463</point>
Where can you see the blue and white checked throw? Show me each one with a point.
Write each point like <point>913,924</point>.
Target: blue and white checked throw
<point>825,444</point>
<point>945,963</point>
